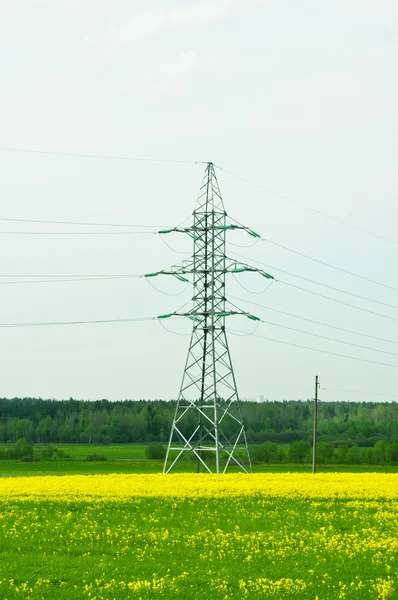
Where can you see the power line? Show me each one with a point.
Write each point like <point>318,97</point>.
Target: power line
<point>171,248</point>
<point>77,276</point>
<point>70,279</point>
<point>166,293</point>
<point>330,287</point>
<point>85,223</point>
<point>173,332</point>
<point>93,322</point>
<point>78,232</point>
<point>322,262</point>
<point>99,156</point>
<point>324,337</point>
<point>329,297</point>
<point>245,245</point>
<point>371,312</point>
<point>373,337</point>
<point>79,279</point>
<point>252,291</point>
<point>310,208</point>
<point>321,351</point>
<point>359,392</point>
<point>247,334</point>
<point>326,264</point>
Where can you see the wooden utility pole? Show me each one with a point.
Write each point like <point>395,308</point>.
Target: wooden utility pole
<point>315,425</point>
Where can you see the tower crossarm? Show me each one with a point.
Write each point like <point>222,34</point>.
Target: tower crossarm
<point>198,316</point>
<point>197,231</point>
<point>225,266</point>
<point>178,271</point>
<point>234,266</point>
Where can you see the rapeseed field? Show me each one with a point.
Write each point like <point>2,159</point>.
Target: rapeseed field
<point>197,537</point>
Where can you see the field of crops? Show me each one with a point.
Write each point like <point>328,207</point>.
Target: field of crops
<point>293,536</point>
<point>131,458</point>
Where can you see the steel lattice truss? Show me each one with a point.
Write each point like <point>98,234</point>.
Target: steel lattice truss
<point>208,427</point>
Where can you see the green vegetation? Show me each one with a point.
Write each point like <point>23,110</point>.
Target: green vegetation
<point>53,453</point>
<point>327,454</point>
<point>95,458</point>
<point>140,458</point>
<point>198,548</point>
<point>21,449</point>
<point>155,451</point>
<point>361,436</point>
<point>111,451</point>
<point>104,422</point>
<point>16,468</point>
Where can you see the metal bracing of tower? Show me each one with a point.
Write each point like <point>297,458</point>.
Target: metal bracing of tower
<point>208,427</point>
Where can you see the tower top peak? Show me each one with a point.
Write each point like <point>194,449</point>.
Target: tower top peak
<point>210,198</point>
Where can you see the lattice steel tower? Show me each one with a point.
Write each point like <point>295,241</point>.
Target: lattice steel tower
<point>208,424</point>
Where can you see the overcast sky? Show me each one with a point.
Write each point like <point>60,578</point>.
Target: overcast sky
<point>300,97</point>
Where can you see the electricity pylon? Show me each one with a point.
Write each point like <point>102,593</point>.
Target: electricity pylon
<point>207,423</point>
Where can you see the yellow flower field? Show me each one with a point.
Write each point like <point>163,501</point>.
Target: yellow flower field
<point>199,537</point>
<point>118,487</point>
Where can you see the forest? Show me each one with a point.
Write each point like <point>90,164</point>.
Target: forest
<point>105,422</point>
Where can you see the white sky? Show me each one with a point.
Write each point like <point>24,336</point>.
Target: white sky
<point>300,97</point>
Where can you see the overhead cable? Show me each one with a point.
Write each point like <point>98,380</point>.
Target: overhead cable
<point>321,351</point>
<point>311,208</point>
<point>288,314</point>
<point>324,337</point>
<point>320,336</point>
<point>330,298</point>
<point>78,232</point>
<point>90,322</point>
<point>160,321</point>
<point>171,248</point>
<point>166,293</point>
<point>330,287</point>
<point>359,392</point>
<point>331,266</point>
<point>100,156</point>
<point>85,223</point>
<point>317,260</point>
<point>69,280</point>
<point>371,312</point>
<point>252,291</point>
<point>66,279</point>
<point>72,275</point>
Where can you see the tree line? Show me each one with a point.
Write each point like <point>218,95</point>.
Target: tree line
<point>382,453</point>
<point>361,424</point>
<point>326,453</point>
